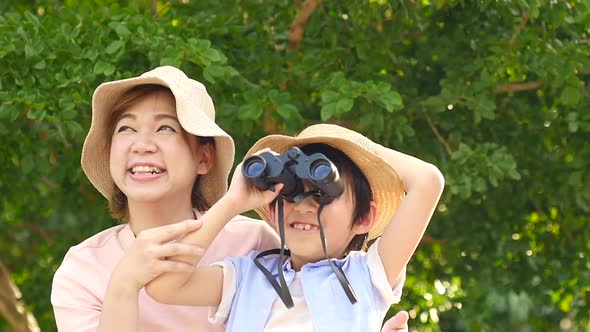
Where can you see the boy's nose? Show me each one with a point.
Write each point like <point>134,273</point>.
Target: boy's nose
<point>308,204</point>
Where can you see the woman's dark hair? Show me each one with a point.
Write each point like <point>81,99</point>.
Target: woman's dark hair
<point>118,202</point>
<point>355,180</point>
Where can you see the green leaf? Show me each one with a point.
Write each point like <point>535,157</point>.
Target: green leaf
<point>328,111</point>
<point>570,96</point>
<point>40,65</point>
<point>286,111</point>
<point>27,164</point>
<point>392,101</point>
<point>344,105</point>
<point>211,55</point>
<point>249,112</point>
<point>214,71</point>
<point>75,128</point>
<point>36,114</point>
<point>104,68</point>
<point>329,96</point>
<point>114,46</point>
<point>169,61</point>
<point>122,30</point>
<point>29,51</point>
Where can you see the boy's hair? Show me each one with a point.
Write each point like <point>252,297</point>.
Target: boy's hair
<point>355,181</point>
<point>118,202</point>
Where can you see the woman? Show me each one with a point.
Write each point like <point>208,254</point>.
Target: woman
<point>157,155</point>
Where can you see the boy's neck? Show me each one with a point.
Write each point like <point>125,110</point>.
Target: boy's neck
<point>298,262</point>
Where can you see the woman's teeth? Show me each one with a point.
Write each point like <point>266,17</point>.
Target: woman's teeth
<point>145,169</point>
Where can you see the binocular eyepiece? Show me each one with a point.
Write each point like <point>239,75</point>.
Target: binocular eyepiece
<point>294,169</point>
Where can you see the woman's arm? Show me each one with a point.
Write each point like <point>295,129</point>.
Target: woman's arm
<point>423,183</point>
<point>77,290</point>
<point>76,306</point>
<point>120,308</point>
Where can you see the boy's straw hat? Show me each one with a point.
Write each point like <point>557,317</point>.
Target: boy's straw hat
<point>196,115</point>
<point>385,184</point>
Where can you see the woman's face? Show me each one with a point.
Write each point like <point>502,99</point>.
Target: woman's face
<point>151,156</point>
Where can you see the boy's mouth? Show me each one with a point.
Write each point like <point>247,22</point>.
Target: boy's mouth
<point>304,226</point>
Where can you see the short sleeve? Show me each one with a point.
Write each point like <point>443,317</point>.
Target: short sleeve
<point>390,293</point>
<point>218,315</point>
<point>75,306</point>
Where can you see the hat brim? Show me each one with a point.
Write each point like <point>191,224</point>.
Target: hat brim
<point>196,115</point>
<point>385,184</point>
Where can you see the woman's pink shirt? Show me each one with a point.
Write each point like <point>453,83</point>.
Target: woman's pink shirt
<point>80,283</point>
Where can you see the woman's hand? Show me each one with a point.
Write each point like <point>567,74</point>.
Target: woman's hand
<point>146,258</point>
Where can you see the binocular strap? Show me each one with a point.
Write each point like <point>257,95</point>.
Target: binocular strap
<point>283,289</point>
<point>337,269</point>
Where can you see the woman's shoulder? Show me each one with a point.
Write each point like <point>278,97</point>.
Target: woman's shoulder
<point>86,266</point>
<point>102,238</point>
<point>247,225</point>
<point>245,220</point>
<point>101,247</point>
<point>239,237</point>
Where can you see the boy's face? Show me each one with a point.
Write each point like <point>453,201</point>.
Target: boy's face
<point>302,232</point>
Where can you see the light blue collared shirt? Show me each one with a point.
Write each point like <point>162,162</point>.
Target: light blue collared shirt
<point>329,306</point>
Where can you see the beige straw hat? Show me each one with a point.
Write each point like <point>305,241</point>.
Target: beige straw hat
<point>386,185</point>
<point>196,115</point>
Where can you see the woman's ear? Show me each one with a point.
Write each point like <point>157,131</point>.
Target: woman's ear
<point>367,223</point>
<point>205,158</point>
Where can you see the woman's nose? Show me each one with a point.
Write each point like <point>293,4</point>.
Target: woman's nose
<point>144,144</point>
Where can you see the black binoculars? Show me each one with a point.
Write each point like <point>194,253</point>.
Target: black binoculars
<point>295,170</point>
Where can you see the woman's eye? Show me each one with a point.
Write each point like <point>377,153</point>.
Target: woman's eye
<point>166,127</point>
<point>124,128</point>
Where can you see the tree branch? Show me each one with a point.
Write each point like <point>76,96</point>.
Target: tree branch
<point>298,26</point>
<point>439,136</point>
<point>523,21</point>
<point>517,87</point>
<point>154,7</point>
<point>528,86</point>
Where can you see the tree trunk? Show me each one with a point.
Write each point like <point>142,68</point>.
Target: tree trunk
<point>12,308</point>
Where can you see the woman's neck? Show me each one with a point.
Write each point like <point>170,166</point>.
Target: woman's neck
<point>145,215</point>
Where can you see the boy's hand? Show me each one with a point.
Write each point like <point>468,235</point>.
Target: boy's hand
<point>397,323</point>
<point>245,195</point>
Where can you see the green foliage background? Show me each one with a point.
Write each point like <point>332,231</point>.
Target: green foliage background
<point>493,92</point>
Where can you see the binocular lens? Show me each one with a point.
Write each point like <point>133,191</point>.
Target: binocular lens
<point>254,167</point>
<point>320,170</point>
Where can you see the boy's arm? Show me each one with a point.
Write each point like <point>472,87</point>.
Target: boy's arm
<point>204,285</point>
<point>423,183</point>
